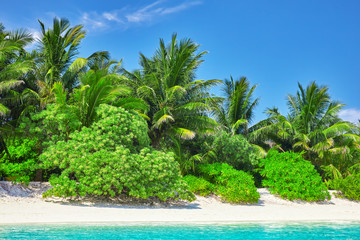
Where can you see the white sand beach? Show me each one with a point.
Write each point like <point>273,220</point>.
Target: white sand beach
<point>25,205</point>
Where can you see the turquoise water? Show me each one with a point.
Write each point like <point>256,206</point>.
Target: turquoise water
<point>181,231</point>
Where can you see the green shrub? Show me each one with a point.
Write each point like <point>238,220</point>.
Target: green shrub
<point>234,150</point>
<point>290,176</point>
<point>22,164</point>
<point>350,186</point>
<point>232,185</point>
<point>55,123</point>
<point>199,185</point>
<point>50,125</point>
<point>112,157</point>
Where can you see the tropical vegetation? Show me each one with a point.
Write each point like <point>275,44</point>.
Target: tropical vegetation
<point>222,179</point>
<point>290,176</point>
<point>93,128</point>
<point>231,185</point>
<point>112,157</point>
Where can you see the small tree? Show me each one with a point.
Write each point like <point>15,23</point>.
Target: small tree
<point>113,157</point>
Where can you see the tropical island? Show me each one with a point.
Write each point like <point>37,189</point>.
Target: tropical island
<point>86,129</point>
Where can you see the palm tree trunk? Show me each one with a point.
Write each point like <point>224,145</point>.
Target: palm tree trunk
<point>39,175</point>
<point>3,144</point>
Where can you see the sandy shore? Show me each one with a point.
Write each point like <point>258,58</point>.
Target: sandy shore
<point>25,205</point>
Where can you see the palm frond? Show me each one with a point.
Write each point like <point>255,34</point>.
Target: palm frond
<point>163,119</point>
<point>238,123</point>
<point>184,133</point>
<point>9,84</point>
<point>302,145</point>
<point>193,106</point>
<point>338,129</point>
<point>78,64</point>
<point>323,146</point>
<point>3,110</point>
<point>340,150</point>
<point>131,103</point>
<point>353,137</point>
<point>259,150</point>
<point>59,93</point>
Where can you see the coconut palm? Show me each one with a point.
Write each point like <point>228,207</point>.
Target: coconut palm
<point>96,87</point>
<point>237,111</point>
<point>178,103</point>
<point>52,60</point>
<point>13,66</point>
<point>312,125</point>
<point>58,46</point>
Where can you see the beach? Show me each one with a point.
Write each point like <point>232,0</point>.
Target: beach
<point>24,205</point>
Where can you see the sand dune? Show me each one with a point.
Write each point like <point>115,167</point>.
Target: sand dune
<point>19,204</point>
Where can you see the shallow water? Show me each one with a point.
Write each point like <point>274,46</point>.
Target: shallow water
<point>343,230</point>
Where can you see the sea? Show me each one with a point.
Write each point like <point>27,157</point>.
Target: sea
<point>106,231</point>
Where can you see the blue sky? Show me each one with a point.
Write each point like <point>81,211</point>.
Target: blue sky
<point>274,43</point>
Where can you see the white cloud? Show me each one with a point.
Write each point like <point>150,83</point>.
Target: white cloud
<point>180,7</point>
<point>126,17</point>
<point>36,36</point>
<point>351,115</point>
<point>154,10</point>
<point>93,20</point>
<point>112,17</point>
<point>144,14</point>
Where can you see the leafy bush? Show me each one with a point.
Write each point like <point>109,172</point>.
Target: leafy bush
<point>290,176</point>
<point>22,162</point>
<point>232,185</point>
<point>234,150</point>
<point>50,125</point>
<point>350,186</point>
<point>54,123</point>
<point>112,157</point>
<point>199,185</point>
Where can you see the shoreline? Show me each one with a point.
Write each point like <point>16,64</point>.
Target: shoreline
<point>188,223</point>
<point>25,206</point>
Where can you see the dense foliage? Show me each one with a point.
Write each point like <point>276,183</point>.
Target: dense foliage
<point>22,161</point>
<point>232,185</point>
<point>234,150</point>
<point>238,108</point>
<point>52,124</point>
<point>56,118</point>
<point>313,127</point>
<point>350,186</point>
<point>178,103</point>
<point>290,176</point>
<point>199,185</point>
<point>112,157</point>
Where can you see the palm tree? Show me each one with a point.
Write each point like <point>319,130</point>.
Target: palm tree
<point>238,109</point>
<point>13,68</point>
<point>58,47</point>
<point>52,64</point>
<point>312,126</point>
<point>12,65</point>
<point>96,87</point>
<point>178,103</point>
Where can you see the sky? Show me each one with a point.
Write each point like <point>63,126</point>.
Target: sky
<point>276,44</point>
